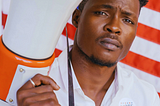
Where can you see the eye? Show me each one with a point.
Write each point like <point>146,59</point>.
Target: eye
<point>128,21</point>
<point>100,13</point>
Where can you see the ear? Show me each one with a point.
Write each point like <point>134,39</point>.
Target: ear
<point>75,17</point>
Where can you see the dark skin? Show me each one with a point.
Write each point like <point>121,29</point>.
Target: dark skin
<point>43,95</point>
<point>105,31</point>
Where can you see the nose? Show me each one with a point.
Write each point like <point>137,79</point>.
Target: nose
<point>113,26</point>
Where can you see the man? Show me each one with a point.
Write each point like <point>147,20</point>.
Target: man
<point>105,32</point>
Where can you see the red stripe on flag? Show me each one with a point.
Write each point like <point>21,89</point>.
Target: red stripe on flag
<point>4,18</point>
<point>159,94</point>
<point>71,31</point>
<point>142,63</point>
<point>153,4</point>
<point>148,33</point>
<point>57,52</point>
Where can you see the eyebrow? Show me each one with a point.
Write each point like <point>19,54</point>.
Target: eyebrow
<point>127,13</point>
<point>104,6</point>
<point>122,11</point>
<point>107,6</point>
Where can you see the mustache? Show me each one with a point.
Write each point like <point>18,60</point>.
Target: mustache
<point>111,36</point>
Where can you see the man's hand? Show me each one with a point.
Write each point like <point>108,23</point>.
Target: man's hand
<point>41,95</point>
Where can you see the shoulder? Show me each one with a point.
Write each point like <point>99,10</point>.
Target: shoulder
<point>137,89</point>
<point>60,61</point>
<point>129,77</point>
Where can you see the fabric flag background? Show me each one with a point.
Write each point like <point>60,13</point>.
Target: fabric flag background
<point>144,56</point>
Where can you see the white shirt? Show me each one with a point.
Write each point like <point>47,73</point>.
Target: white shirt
<point>125,90</point>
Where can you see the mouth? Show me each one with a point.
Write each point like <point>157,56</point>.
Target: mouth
<point>110,44</point>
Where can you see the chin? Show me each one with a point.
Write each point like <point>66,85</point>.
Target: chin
<point>102,62</point>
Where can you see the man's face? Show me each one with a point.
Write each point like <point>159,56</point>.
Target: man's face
<point>107,28</point>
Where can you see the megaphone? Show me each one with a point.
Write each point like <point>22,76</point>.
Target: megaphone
<point>32,30</point>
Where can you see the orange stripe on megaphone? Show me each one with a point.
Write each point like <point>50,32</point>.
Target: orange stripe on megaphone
<point>8,65</point>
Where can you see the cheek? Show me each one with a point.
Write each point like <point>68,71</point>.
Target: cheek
<point>127,42</point>
<point>88,30</point>
<point>85,35</point>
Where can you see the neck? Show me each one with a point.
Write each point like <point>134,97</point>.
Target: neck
<point>93,79</point>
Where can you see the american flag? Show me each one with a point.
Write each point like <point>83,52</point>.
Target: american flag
<point>144,56</point>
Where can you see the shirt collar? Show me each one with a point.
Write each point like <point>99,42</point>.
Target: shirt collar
<point>122,76</point>
<point>62,60</point>
<point>75,81</point>
<point>125,80</point>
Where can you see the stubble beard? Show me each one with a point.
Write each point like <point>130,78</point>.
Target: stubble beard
<point>101,62</point>
<point>95,60</point>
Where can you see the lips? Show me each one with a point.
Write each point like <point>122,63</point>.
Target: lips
<point>110,44</point>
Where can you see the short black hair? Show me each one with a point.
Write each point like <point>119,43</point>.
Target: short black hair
<point>143,2</point>
<point>81,5</point>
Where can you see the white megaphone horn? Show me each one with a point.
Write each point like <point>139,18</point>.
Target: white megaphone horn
<point>32,31</point>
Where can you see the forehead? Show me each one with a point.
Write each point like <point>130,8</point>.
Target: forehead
<point>132,6</point>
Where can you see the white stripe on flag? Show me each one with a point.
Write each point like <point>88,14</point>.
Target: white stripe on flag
<point>146,48</point>
<point>70,20</point>
<point>150,18</point>
<point>6,5</point>
<point>62,44</point>
<point>155,81</point>
<point>1,29</point>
